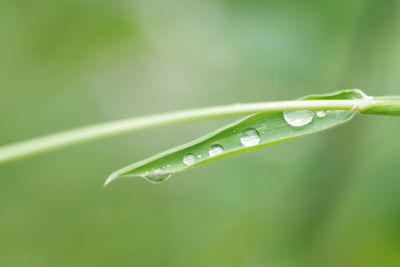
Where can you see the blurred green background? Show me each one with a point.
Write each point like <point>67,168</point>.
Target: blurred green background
<point>327,200</point>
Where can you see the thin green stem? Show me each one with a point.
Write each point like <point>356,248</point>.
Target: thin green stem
<point>44,144</point>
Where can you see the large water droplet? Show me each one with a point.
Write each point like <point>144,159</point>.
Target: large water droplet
<point>157,176</point>
<point>321,113</point>
<point>189,159</point>
<point>298,118</point>
<point>215,150</point>
<point>250,137</point>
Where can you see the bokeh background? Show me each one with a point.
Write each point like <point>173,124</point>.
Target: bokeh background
<point>326,200</point>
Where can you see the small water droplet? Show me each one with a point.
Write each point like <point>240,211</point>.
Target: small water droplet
<point>215,150</point>
<point>157,176</point>
<point>250,137</point>
<point>321,113</point>
<point>189,159</point>
<point>199,156</point>
<point>298,118</point>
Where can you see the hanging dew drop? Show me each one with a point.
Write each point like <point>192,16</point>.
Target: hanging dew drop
<point>250,137</point>
<point>157,176</point>
<point>189,159</point>
<point>215,150</point>
<point>321,113</point>
<point>298,118</point>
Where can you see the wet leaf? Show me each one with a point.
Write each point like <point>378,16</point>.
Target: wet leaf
<point>250,133</point>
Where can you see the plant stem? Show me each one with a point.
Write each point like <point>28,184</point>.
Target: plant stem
<point>44,144</point>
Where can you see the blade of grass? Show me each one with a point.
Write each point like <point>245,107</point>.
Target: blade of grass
<point>251,133</point>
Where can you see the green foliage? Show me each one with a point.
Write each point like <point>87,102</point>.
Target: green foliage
<point>248,134</point>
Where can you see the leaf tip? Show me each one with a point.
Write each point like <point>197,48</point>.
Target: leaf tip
<point>111,178</point>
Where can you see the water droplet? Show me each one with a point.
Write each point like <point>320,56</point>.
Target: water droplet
<point>298,118</point>
<point>189,159</point>
<point>199,156</point>
<point>321,113</point>
<point>215,150</point>
<point>157,176</point>
<point>250,137</point>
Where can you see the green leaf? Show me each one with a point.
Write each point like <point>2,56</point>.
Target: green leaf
<point>250,133</point>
